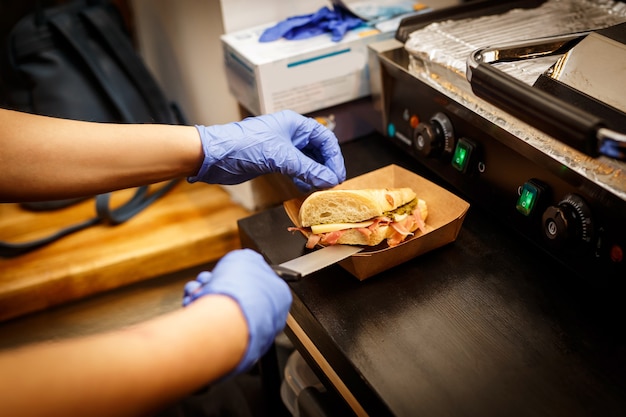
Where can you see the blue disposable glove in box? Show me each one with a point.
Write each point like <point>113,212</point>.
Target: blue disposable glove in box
<point>336,22</point>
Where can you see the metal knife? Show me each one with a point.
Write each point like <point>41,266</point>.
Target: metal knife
<point>301,266</point>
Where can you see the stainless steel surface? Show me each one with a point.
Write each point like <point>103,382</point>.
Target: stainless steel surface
<point>596,67</point>
<point>319,259</point>
<point>589,64</point>
<point>530,49</point>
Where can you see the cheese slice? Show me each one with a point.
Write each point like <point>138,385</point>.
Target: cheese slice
<point>399,217</point>
<point>333,227</point>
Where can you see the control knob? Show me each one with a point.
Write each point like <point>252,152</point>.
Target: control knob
<point>569,222</point>
<point>434,138</point>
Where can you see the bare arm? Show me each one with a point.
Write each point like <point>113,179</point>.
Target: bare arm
<point>49,158</point>
<point>130,372</point>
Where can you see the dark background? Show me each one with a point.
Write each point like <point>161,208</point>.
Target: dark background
<point>11,11</point>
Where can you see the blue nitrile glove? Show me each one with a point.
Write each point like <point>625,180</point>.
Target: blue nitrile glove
<point>325,20</point>
<point>297,27</point>
<point>343,22</point>
<point>263,297</point>
<point>284,142</point>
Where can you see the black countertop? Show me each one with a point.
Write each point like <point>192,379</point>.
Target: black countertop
<point>485,326</point>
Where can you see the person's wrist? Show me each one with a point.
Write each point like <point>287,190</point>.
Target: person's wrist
<point>199,164</point>
<point>231,325</point>
<point>196,153</point>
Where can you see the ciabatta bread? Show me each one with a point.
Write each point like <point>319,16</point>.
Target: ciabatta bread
<point>351,206</point>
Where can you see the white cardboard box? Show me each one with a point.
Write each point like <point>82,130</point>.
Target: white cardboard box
<point>301,75</point>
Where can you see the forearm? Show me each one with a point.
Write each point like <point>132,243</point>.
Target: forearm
<point>129,372</point>
<point>49,158</point>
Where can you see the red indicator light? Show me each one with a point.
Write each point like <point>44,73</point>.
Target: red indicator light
<point>414,121</point>
<point>617,253</point>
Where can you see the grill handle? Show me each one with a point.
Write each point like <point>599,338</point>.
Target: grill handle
<point>561,120</point>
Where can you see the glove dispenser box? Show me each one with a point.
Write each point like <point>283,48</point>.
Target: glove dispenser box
<point>302,75</point>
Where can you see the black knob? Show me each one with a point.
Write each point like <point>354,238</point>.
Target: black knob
<point>569,222</point>
<point>434,138</point>
<point>425,139</point>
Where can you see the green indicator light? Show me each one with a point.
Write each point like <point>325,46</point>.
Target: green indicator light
<point>459,156</point>
<point>462,154</point>
<point>527,199</point>
<point>391,130</point>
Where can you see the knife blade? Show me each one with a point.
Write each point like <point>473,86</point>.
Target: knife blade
<point>304,265</point>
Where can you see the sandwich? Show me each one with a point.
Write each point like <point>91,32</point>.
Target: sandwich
<point>361,217</point>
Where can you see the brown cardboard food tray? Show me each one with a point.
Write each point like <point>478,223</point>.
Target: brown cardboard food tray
<point>446,213</point>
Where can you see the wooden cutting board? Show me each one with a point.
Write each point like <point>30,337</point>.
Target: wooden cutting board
<point>193,224</point>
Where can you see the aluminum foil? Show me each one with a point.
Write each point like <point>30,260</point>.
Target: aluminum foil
<point>438,56</point>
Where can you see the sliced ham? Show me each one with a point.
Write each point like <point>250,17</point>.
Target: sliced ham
<point>401,230</point>
<point>313,240</point>
<point>331,238</point>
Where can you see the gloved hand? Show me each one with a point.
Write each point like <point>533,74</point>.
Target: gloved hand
<point>284,142</point>
<point>263,297</point>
